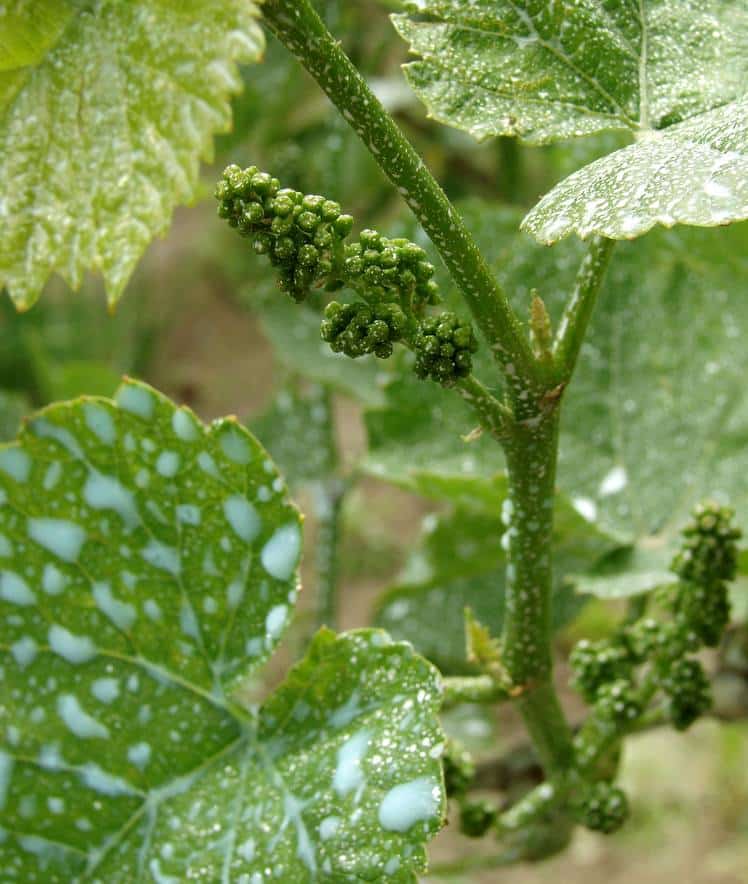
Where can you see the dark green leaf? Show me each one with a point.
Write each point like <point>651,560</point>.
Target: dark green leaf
<point>148,565</point>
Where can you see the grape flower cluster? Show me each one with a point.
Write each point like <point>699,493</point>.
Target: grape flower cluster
<point>622,675</point>
<point>444,347</point>
<point>303,237</point>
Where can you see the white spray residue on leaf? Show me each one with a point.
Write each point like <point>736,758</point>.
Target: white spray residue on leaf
<point>100,422</point>
<point>122,614</point>
<point>16,463</point>
<point>162,556</point>
<point>613,481</point>
<point>348,773</point>
<point>235,446</point>
<point>106,493</point>
<point>139,754</point>
<point>136,400</point>
<point>106,690</point>
<point>276,620</point>
<point>167,464</point>
<point>78,721</point>
<point>409,803</point>
<point>60,536</point>
<point>24,650</point>
<point>328,827</point>
<point>71,647</point>
<point>585,507</point>
<point>53,580</point>
<point>6,772</point>
<point>14,589</point>
<point>242,517</point>
<point>280,554</point>
<point>184,426</point>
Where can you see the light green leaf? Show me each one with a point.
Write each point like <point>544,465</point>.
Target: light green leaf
<point>148,565</point>
<point>657,417</point>
<point>673,73</point>
<point>27,30</point>
<point>103,137</point>
<point>659,392</point>
<point>298,431</point>
<point>693,173</point>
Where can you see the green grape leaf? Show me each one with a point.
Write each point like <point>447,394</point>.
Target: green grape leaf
<point>293,331</point>
<point>148,566</point>
<point>103,137</point>
<point>693,173</point>
<point>459,563</point>
<point>657,417</point>
<point>298,431</point>
<point>672,74</point>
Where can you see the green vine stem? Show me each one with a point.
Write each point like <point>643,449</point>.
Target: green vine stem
<point>529,431</point>
<point>576,317</point>
<point>329,496</point>
<point>301,30</point>
<point>494,416</point>
<point>526,637</point>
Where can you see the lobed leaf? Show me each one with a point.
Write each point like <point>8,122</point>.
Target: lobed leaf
<point>671,72</point>
<point>103,127</point>
<point>148,566</point>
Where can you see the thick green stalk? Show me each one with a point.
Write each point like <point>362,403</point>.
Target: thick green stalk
<point>576,318</point>
<point>298,26</point>
<point>526,637</point>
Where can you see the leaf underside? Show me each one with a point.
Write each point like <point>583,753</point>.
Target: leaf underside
<point>148,566</point>
<point>102,128</point>
<point>671,72</point>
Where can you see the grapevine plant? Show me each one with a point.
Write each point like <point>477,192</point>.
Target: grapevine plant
<point>150,562</point>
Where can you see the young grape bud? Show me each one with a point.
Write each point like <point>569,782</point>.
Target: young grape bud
<point>477,817</point>
<point>601,807</point>
<point>688,690</point>
<point>444,346</point>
